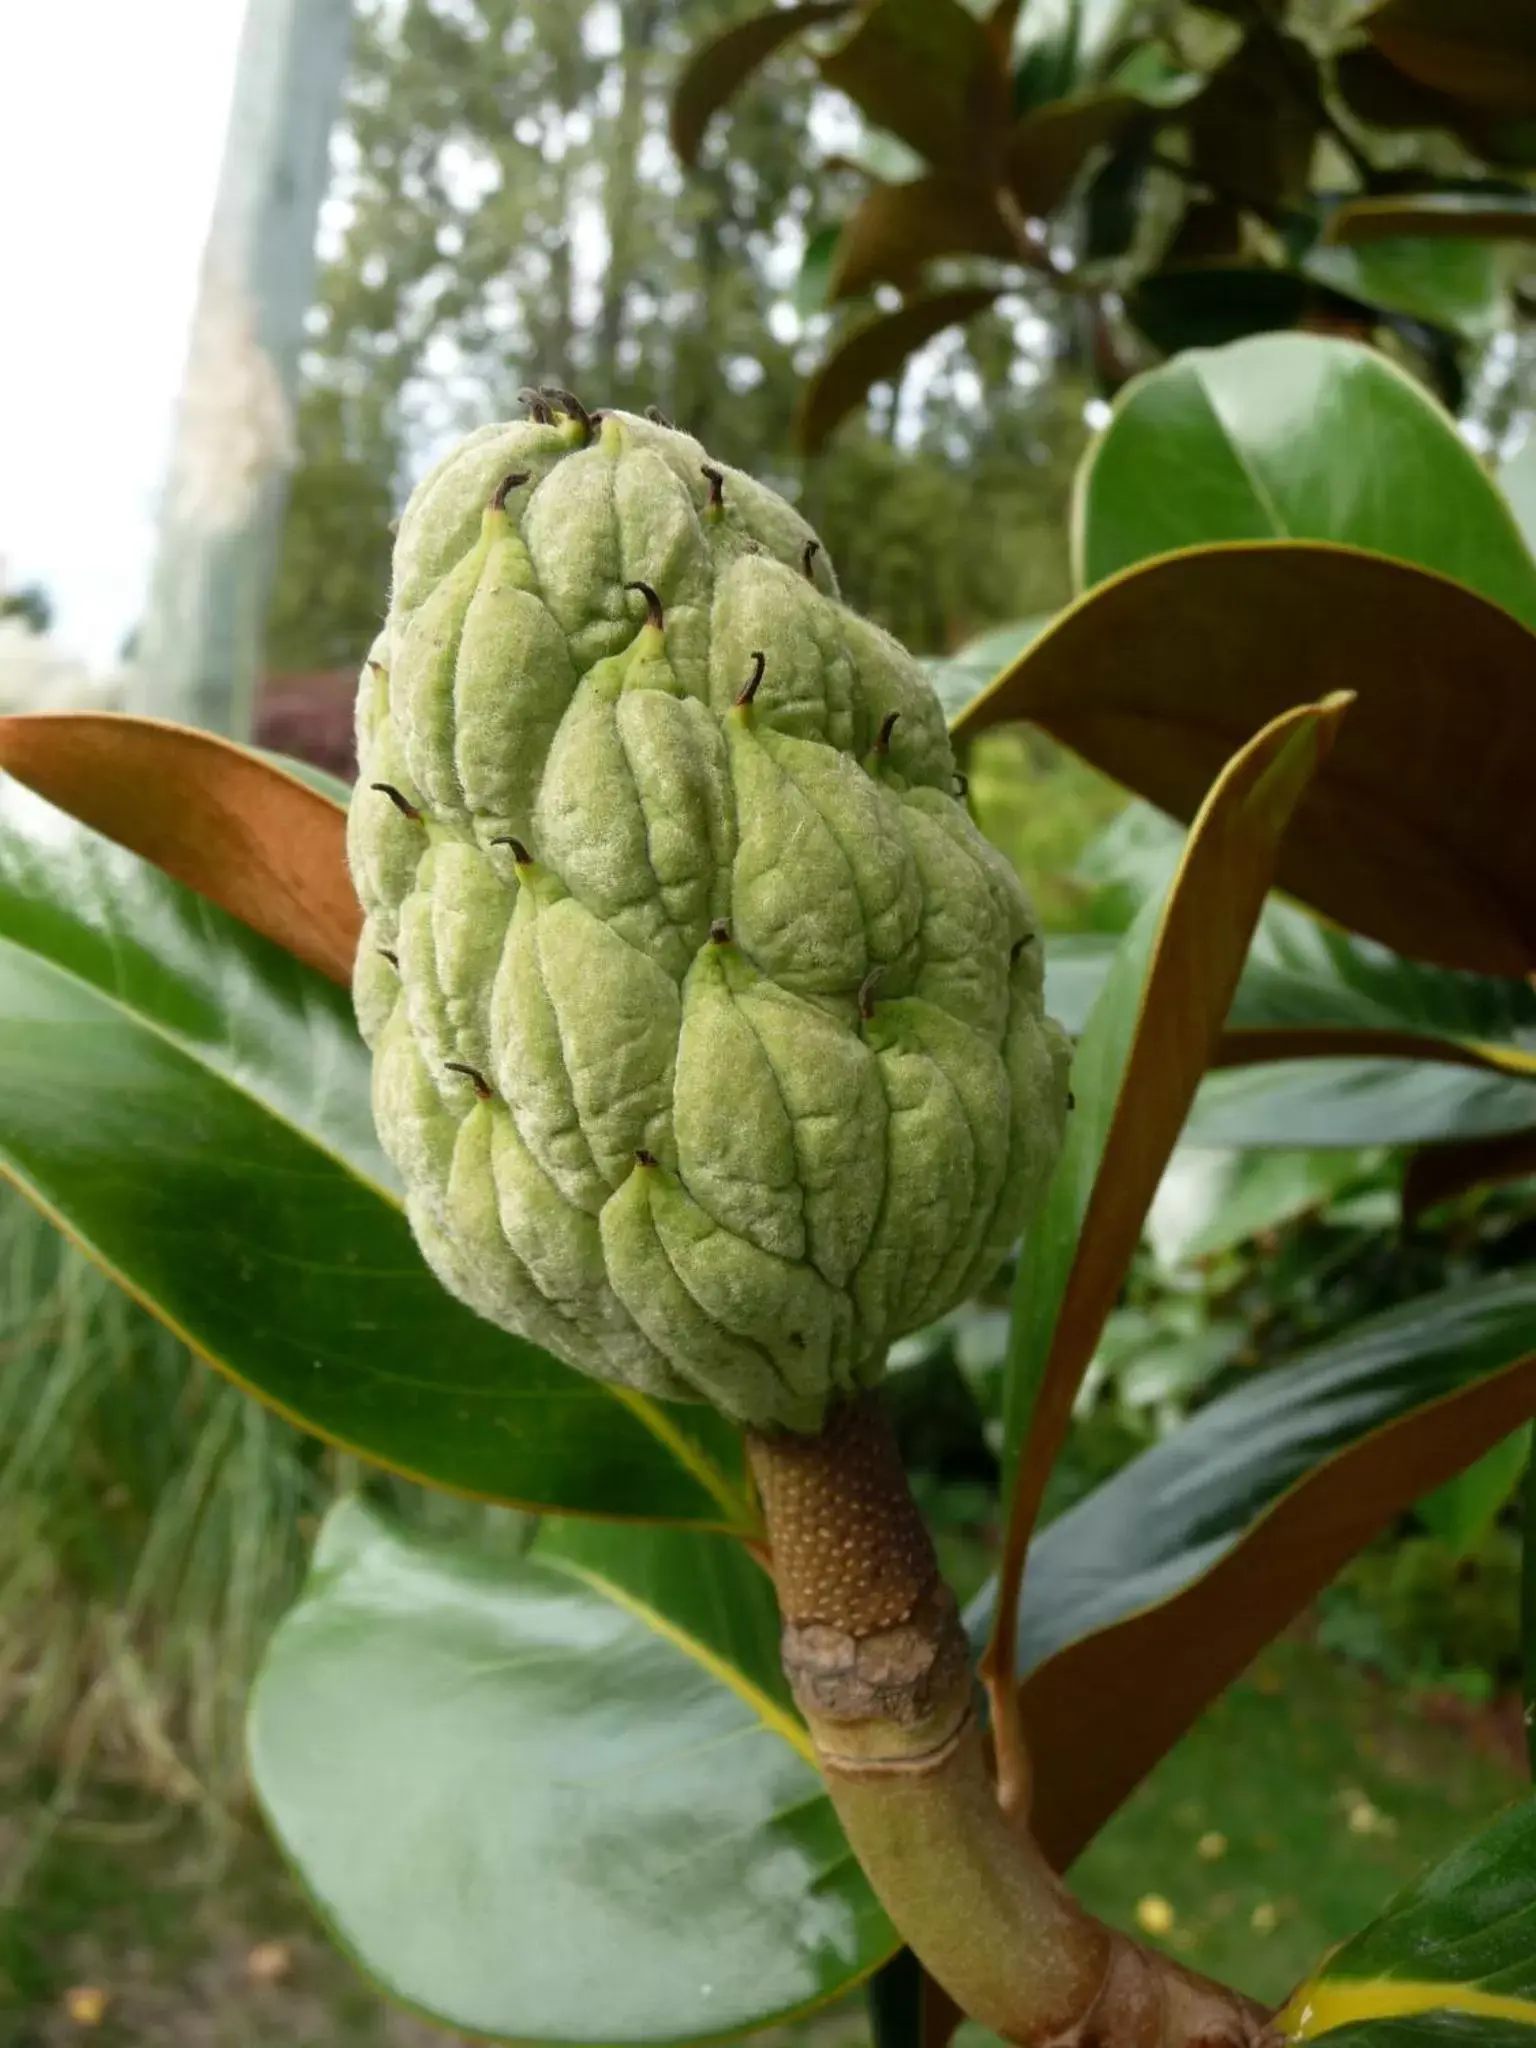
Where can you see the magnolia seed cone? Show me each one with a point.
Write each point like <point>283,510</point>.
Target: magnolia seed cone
<point>707,1028</point>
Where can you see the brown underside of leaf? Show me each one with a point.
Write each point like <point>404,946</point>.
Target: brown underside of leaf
<point>1438,1173</point>
<point>1482,51</point>
<point>1361,221</point>
<point>1202,942</point>
<point>239,830</point>
<point>721,67</point>
<point>927,71</point>
<point>1101,1712</point>
<point>875,351</point>
<point>1419,831</point>
<point>1048,146</point>
<point>896,229</point>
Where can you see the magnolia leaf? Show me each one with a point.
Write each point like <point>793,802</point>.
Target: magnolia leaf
<point>588,1755</point>
<point>1425,795</point>
<point>1049,145</point>
<point>241,828</point>
<point>1453,284</point>
<point>1483,51</point>
<point>1463,1509</point>
<point>1147,1599</point>
<point>958,677</point>
<point>877,350</point>
<point>1353,1102</point>
<point>927,71</point>
<point>1491,216</point>
<point>1138,1064</point>
<point>190,1103</point>
<point>1253,126</point>
<point>1438,1173</point>
<point>719,68</point>
<point>896,229</point>
<point>1252,442</point>
<point>1457,1942</point>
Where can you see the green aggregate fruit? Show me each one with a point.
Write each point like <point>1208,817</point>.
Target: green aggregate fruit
<point>707,1028</point>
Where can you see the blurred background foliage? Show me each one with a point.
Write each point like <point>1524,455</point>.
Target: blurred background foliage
<point>506,208</point>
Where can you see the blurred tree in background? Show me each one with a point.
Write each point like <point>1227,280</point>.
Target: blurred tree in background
<point>31,604</point>
<point>508,210</point>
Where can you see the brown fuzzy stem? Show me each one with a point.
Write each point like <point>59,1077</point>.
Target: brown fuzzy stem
<point>875,1653</point>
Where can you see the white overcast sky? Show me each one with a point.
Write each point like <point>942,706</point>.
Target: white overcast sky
<point>112,122</point>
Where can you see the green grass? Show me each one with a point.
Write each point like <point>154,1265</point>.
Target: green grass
<point>123,1897</point>
<point>152,1527</point>
<point>1277,1768</point>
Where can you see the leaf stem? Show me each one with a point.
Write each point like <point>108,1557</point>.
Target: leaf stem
<point>878,1662</point>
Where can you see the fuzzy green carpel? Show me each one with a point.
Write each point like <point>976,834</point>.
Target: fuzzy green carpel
<point>707,1029</point>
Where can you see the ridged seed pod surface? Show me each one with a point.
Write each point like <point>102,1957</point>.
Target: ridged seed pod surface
<point>707,1028</point>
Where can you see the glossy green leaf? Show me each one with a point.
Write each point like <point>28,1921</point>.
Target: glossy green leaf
<point>1528,1612</point>
<point>958,677</point>
<point>1326,1103</point>
<point>192,1105</point>
<point>875,350</point>
<point>1452,284</point>
<point>1491,215</point>
<point>1263,440</point>
<point>1305,979</point>
<point>1301,972</point>
<point>1463,1510</point>
<point>1076,964</point>
<point>1146,1599</point>
<point>720,67</point>
<point>1435,2029</point>
<point>582,1762</point>
<point>1323,1103</point>
<point>1461,1939</point>
<point>1306,973</point>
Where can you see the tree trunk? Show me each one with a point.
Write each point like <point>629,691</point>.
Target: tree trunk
<point>639,21</point>
<point>199,654</point>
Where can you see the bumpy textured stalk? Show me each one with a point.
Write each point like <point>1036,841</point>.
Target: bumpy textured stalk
<point>875,1654</point>
<point>707,1028</point>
